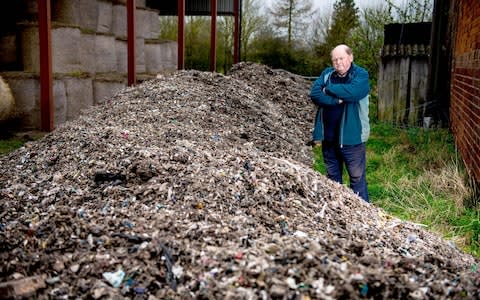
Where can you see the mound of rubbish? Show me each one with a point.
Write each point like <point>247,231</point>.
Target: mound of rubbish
<point>200,186</point>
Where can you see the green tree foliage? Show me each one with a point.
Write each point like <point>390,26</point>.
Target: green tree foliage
<point>289,44</point>
<point>197,36</point>
<point>225,41</point>
<point>252,24</point>
<point>168,28</point>
<point>411,11</point>
<point>197,43</point>
<point>367,38</point>
<point>272,50</point>
<point>344,19</point>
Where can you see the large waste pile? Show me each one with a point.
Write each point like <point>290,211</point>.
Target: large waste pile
<point>200,186</point>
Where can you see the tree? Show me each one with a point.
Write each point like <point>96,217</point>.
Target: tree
<point>168,28</point>
<point>345,18</point>
<point>225,45</point>
<point>252,24</point>
<point>320,25</point>
<point>292,16</point>
<point>412,11</point>
<point>197,43</point>
<point>367,38</point>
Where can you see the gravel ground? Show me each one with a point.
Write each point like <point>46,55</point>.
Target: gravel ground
<point>200,186</point>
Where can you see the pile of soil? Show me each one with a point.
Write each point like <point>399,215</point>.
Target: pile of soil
<point>200,185</point>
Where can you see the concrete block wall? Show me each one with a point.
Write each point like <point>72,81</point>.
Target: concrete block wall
<point>89,55</point>
<point>72,94</point>
<point>465,85</point>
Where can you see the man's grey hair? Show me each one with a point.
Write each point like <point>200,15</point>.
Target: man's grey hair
<point>347,49</point>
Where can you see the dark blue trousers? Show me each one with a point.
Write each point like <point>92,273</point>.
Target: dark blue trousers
<point>354,160</point>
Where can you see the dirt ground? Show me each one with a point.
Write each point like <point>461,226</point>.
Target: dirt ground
<point>200,186</point>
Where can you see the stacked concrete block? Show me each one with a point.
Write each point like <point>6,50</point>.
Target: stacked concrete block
<point>170,54</point>
<point>105,56</point>
<point>103,89</point>
<point>121,53</point>
<point>66,11</point>
<point>153,31</point>
<point>119,20</point>
<point>105,17</point>
<point>66,52</point>
<point>79,95</point>
<point>147,24</point>
<point>60,103</point>
<point>30,59</point>
<point>89,54</point>
<point>8,50</point>
<point>140,55</point>
<point>88,11</point>
<point>160,56</point>
<point>26,90</point>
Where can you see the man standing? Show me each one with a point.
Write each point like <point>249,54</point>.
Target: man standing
<point>341,125</point>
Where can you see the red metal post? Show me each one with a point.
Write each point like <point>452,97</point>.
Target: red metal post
<point>131,42</point>
<point>213,35</point>
<point>46,93</point>
<point>181,34</point>
<point>236,31</point>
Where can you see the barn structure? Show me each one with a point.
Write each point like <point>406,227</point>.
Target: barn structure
<point>403,73</point>
<point>60,56</point>
<point>430,75</point>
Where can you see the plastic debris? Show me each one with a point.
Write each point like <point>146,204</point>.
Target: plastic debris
<point>115,279</point>
<point>197,185</point>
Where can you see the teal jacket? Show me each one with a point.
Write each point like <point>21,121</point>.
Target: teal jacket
<point>354,126</point>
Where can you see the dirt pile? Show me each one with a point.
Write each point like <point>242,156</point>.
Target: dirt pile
<point>199,185</point>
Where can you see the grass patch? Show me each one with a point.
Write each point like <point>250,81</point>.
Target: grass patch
<point>10,144</point>
<point>10,140</point>
<point>416,175</point>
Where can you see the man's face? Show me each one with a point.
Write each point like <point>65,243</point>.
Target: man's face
<point>341,61</point>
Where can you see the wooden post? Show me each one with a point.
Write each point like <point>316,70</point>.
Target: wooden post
<point>213,35</point>
<point>46,94</point>
<point>181,35</point>
<point>131,42</point>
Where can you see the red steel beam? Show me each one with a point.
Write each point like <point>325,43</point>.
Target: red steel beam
<point>213,35</point>
<point>131,42</point>
<point>181,35</point>
<point>46,93</point>
<point>236,32</point>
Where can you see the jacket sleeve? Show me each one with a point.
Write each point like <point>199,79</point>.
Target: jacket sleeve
<point>318,96</point>
<point>353,91</point>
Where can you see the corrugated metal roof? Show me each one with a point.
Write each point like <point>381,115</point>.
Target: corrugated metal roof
<point>192,7</point>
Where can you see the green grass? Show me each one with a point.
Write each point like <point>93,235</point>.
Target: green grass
<point>10,144</point>
<point>416,175</point>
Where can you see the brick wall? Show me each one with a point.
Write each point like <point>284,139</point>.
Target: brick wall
<point>465,83</point>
